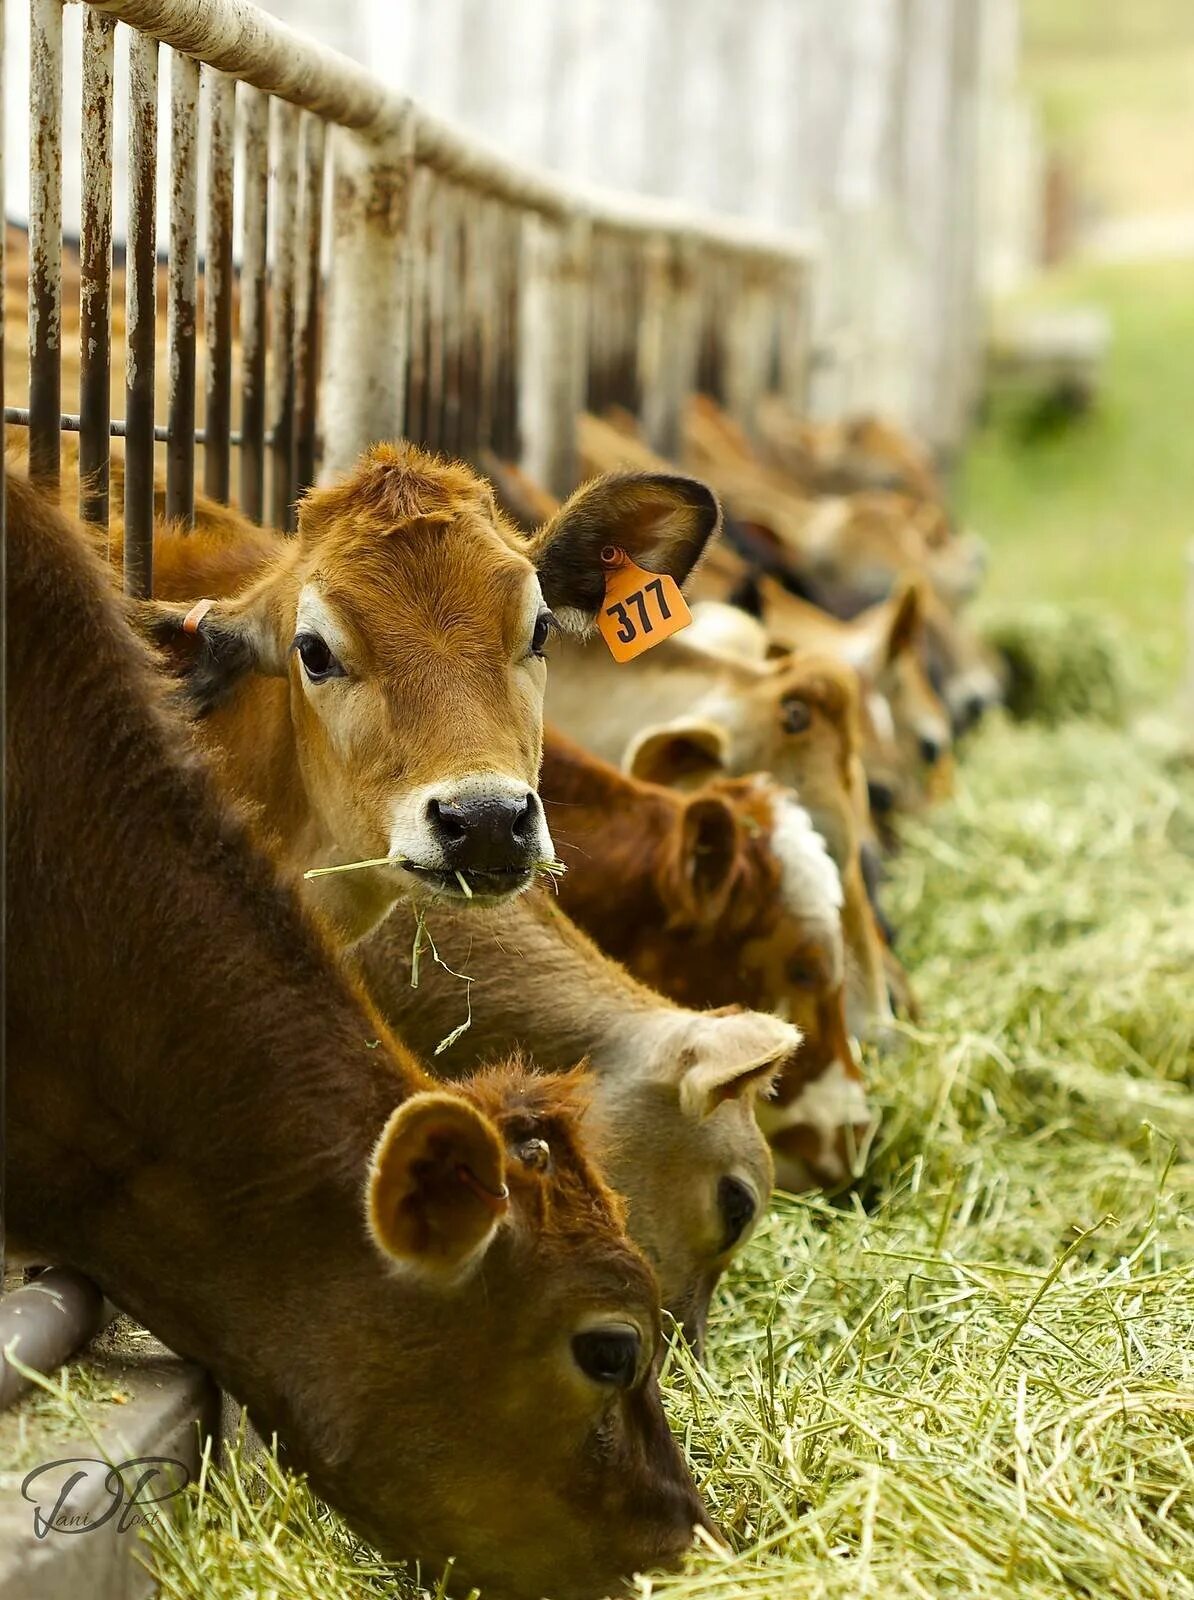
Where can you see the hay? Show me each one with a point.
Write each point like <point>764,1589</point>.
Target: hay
<point>977,1378</point>
<point>1063,661</point>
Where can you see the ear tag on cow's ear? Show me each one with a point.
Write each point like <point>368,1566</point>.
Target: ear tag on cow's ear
<point>640,609</point>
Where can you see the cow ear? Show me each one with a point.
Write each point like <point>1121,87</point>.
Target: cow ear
<point>702,869</point>
<point>662,522</point>
<point>734,1056</point>
<point>679,755</point>
<point>906,623</point>
<point>211,650</point>
<point>436,1189</point>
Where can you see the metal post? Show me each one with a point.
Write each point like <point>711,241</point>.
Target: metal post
<point>45,237</point>
<point>181,290</point>
<point>255,125</point>
<point>220,93</point>
<point>554,348</point>
<point>284,215</point>
<point>95,251</point>
<point>307,307</point>
<point>140,314</point>
<point>365,348</point>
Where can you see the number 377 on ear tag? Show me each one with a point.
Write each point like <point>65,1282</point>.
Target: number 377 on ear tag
<point>640,609</point>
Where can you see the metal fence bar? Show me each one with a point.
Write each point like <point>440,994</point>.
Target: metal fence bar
<point>141,314</point>
<point>182,286</point>
<point>306,419</point>
<point>217,283</point>
<point>95,265</point>
<point>255,212</point>
<point>284,129</point>
<point>45,237</point>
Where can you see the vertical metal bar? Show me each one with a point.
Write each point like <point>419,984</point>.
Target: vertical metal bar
<point>284,149</point>
<point>141,314</point>
<point>314,139</point>
<point>182,291</point>
<point>364,350</point>
<point>485,281</point>
<point>45,237</point>
<point>217,283</point>
<point>255,125</point>
<point>452,279</point>
<point>414,411</point>
<point>95,251</point>
<point>433,378</point>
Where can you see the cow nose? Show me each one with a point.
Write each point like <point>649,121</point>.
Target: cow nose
<point>931,749</point>
<point>881,796</point>
<point>492,833</point>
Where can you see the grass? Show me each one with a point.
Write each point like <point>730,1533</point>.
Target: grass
<point>1103,510</point>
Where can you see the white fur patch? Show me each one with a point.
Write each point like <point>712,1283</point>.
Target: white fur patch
<point>812,886</point>
<point>728,629</point>
<point>879,709</point>
<point>831,1102</point>
<point>316,615</point>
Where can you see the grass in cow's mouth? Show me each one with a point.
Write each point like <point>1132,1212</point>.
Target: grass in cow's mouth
<point>482,883</point>
<point>978,1377</point>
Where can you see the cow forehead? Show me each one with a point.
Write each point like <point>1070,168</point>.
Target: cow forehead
<point>438,589</point>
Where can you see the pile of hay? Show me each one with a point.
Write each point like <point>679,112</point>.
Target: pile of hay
<point>976,1378</point>
<point>1062,661</point>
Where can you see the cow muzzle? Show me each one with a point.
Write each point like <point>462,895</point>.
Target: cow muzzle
<point>481,837</point>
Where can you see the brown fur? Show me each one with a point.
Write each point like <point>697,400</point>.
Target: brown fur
<point>687,892</point>
<point>524,974</point>
<point>199,1102</point>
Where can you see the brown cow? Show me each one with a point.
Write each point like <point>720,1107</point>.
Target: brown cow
<point>375,684</point>
<point>725,897</point>
<point>681,714</point>
<point>403,1281</point>
<point>673,1113</point>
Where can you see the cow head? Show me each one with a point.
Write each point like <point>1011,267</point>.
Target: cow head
<point>409,622</point>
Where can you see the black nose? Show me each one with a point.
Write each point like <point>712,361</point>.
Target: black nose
<point>494,833</point>
<point>931,750</point>
<point>881,797</point>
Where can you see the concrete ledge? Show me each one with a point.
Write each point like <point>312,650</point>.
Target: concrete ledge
<point>144,1402</point>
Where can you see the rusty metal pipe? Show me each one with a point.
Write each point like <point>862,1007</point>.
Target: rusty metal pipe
<point>284,120</point>
<point>220,93</point>
<point>45,237</point>
<point>141,315</point>
<point>306,383</point>
<point>255,133</point>
<point>95,269</point>
<point>181,293</point>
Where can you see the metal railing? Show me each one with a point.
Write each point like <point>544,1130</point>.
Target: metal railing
<point>445,293</point>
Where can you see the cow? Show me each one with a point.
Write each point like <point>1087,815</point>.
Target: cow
<point>402,1279</point>
<point>723,897</point>
<point>676,1093</point>
<point>907,733</point>
<point>682,714</point>
<point>374,684</point>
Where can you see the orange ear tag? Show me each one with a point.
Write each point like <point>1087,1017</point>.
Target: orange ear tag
<point>640,609</point>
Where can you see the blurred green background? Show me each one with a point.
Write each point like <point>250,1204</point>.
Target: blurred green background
<point>1102,507</point>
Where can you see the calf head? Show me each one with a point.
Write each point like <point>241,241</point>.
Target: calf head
<point>741,903</point>
<point>798,719</point>
<point>513,1342</point>
<point>410,621</point>
<point>676,1120</point>
<point>911,736</point>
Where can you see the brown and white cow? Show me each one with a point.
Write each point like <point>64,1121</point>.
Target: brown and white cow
<point>374,685</point>
<point>676,1093</point>
<point>682,714</point>
<point>401,1279</point>
<point>723,897</point>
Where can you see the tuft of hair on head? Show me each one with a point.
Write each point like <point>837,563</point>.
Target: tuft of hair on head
<point>394,485</point>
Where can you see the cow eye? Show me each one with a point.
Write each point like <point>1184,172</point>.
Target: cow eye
<point>318,661</point>
<point>796,715</point>
<point>737,1206</point>
<point>609,1355</point>
<point>544,623</point>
